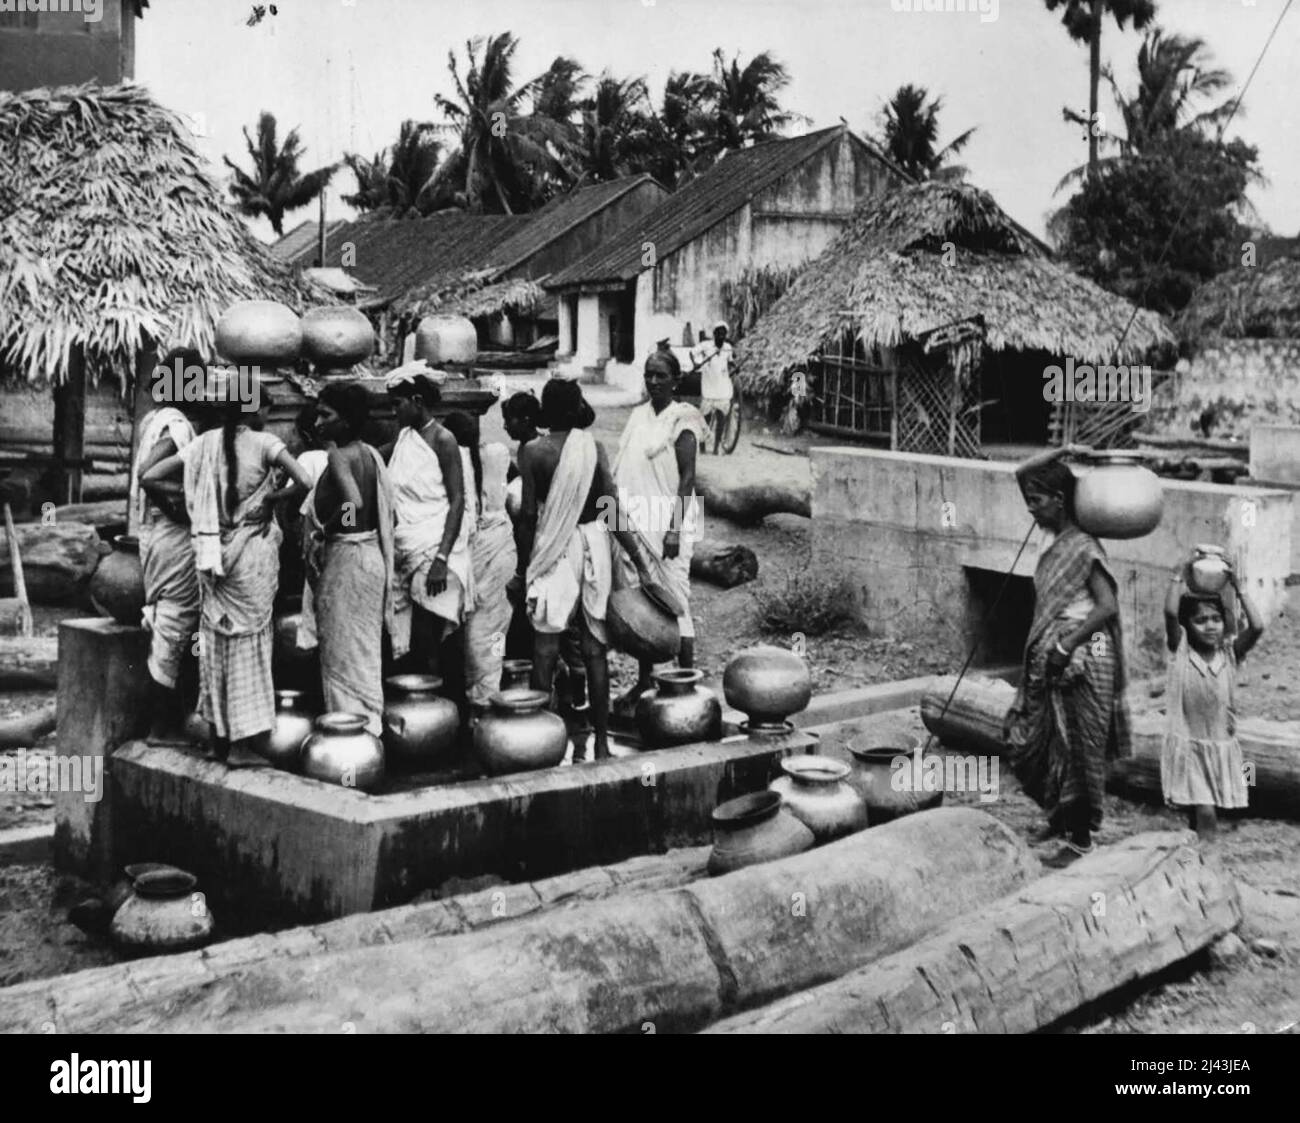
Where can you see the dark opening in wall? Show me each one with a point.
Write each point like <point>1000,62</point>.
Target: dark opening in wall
<point>1003,631</point>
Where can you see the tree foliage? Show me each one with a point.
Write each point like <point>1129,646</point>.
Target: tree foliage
<point>275,185</point>
<point>910,135</point>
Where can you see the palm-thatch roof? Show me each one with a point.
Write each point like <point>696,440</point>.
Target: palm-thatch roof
<point>931,254</point>
<point>113,232</point>
<point>1259,302</point>
<point>472,295</point>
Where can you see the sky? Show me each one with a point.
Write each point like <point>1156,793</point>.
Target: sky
<point>347,72</point>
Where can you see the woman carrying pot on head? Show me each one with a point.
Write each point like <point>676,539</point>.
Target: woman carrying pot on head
<point>229,475</point>
<point>1069,717</point>
<point>348,548</point>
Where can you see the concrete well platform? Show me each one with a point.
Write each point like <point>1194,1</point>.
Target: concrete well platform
<point>272,848</point>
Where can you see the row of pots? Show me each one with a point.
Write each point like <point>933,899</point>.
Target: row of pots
<point>266,333</point>
<point>819,799</point>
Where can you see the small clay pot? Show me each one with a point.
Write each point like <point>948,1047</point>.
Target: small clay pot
<point>117,587</point>
<point>814,790</point>
<point>752,829</point>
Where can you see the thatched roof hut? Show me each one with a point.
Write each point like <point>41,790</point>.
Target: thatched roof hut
<point>113,234</point>
<point>1260,302</point>
<point>932,254</point>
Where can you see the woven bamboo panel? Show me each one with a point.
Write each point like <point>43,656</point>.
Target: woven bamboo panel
<point>938,407</point>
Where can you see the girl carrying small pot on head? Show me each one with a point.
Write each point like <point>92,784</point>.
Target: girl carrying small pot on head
<point>1201,767</point>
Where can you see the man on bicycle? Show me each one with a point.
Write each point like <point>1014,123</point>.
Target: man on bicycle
<point>713,361</point>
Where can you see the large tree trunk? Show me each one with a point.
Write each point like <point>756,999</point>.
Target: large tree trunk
<point>669,960</point>
<point>58,560</point>
<point>29,664</point>
<point>973,719</point>
<point>1271,749</point>
<point>1032,958</point>
<point>727,566</point>
<point>745,493</point>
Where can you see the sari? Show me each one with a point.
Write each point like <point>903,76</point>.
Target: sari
<point>1063,732</point>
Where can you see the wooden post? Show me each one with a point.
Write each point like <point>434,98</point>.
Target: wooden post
<point>320,244</point>
<point>141,403</point>
<point>70,428</point>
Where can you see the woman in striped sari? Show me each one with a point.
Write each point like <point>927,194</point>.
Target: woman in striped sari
<point>1069,717</point>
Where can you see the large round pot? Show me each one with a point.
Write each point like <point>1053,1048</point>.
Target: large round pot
<point>519,735</point>
<point>885,776</point>
<point>752,829</point>
<point>163,913</point>
<point>679,711</point>
<point>341,751</point>
<point>516,674</point>
<point>337,336</point>
<point>117,586</point>
<point>420,726</point>
<point>1208,572</point>
<point>259,333</point>
<point>815,792</point>
<point>639,625</point>
<point>446,339</point>
<point>1117,497</point>
<point>293,725</point>
<point>767,684</point>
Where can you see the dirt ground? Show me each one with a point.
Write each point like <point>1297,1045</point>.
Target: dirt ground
<point>1258,992</point>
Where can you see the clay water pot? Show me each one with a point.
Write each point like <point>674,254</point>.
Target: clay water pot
<point>336,336</point>
<point>767,684</point>
<point>1208,572</point>
<point>163,913</point>
<point>679,711</point>
<point>446,339</point>
<point>516,674</point>
<point>420,727</point>
<point>814,790</point>
<point>341,751</point>
<point>259,333</point>
<point>872,777</point>
<point>1117,497</point>
<point>640,623</point>
<point>117,587</point>
<point>752,829</point>
<point>519,735</point>
<point>293,725</point>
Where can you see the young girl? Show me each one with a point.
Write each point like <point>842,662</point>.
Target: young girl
<point>1200,765</point>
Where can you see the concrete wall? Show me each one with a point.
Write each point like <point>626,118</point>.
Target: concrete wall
<point>63,48</point>
<point>1249,382</point>
<point>881,518</point>
<point>1275,454</point>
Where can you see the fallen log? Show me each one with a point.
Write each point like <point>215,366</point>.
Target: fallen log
<point>1270,749</point>
<point>26,729</point>
<point>29,663</point>
<point>727,566</point>
<point>973,719</point>
<point>673,959</point>
<point>58,560</point>
<point>102,513</point>
<point>1032,958</point>
<point>746,493</point>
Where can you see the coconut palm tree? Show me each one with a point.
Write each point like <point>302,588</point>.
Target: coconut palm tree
<point>1175,77</point>
<point>558,93</point>
<point>911,135</point>
<point>505,160</point>
<point>681,128</point>
<point>1083,20</point>
<point>616,134</point>
<point>275,186</point>
<point>396,179</point>
<point>745,101</point>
